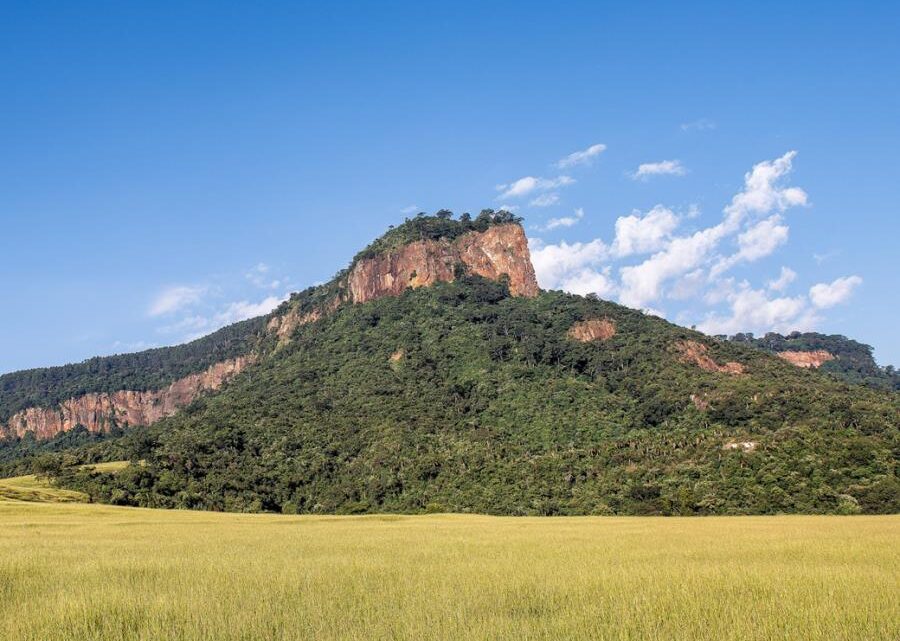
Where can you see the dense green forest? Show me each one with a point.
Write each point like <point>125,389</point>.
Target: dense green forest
<point>150,369</point>
<point>459,397</point>
<point>853,360</point>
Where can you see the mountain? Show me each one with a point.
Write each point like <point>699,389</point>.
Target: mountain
<point>834,354</point>
<point>433,375</point>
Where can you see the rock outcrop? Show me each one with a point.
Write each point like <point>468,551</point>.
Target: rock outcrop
<point>597,329</point>
<point>813,359</point>
<point>697,354</point>
<point>500,250</point>
<point>103,410</point>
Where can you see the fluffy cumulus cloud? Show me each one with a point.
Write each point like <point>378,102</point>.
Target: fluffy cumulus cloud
<point>763,192</point>
<point>662,168</point>
<point>656,260</point>
<point>555,264</point>
<point>826,295</point>
<point>582,157</point>
<point>752,310</point>
<point>641,234</point>
<point>175,298</point>
<point>643,284</point>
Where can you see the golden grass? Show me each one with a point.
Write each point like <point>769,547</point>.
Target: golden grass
<point>95,573</point>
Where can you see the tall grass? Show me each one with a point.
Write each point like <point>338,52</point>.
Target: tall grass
<point>86,572</point>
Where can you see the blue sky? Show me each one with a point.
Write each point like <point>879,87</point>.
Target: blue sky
<point>170,167</point>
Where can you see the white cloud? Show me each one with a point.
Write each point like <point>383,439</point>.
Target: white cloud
<point>412,209</point>
<point>545,200</point>
<point>662,168</point>
<point>756,242</point>
<point>555,264</point>
<point>529,184</point>
<point>259,276</point>
<point>703,124</point>
<point>585,156</point>
<point>753,311</point>
<point>174,298</point>
<point>509,208</point>
<point>242,310</point>
<point>824,295</point>
<point>636,234</point>
<point>642,284</point>
<point>786,277</point>
<point>689,265</point>
<point>589,281</point>
<point>762,194</point>
<point>565,221</point>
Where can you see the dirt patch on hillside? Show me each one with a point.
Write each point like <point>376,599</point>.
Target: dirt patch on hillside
<point>697,354</point>
<point>807,360</point>
<point>597,329</point>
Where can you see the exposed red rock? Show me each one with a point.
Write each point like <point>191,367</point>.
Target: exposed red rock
<point>698,354</point>
<point>100,411</point>
<point>502,249</point>
<point>813,359</point>
<point>597,329</point>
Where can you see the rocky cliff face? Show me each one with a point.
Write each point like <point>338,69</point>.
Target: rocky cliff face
<point>502,249</point>
<point>807,360</point>
<point>100,411</point>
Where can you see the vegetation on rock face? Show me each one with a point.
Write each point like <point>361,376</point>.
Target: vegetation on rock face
<point>853,360</point>
<point>493,408</point>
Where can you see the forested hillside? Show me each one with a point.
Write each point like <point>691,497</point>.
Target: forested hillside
<point>459,397</point>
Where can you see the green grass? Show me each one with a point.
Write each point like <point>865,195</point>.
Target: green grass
<point>92,572</point>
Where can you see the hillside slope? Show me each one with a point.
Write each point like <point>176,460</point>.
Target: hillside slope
<point>432,375</point>
<point>459,397</point>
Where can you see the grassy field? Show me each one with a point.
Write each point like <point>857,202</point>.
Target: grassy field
<point>87,572</point>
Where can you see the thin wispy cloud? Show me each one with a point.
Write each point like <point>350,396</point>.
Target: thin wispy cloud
<point>411,209</point>
<point>662,168</point>
<point>702,124</point>
<point>582,157</point>
<point>545,200</point>
<point>531,184</point>
<point>564,221</point>
<point>174,298</point>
